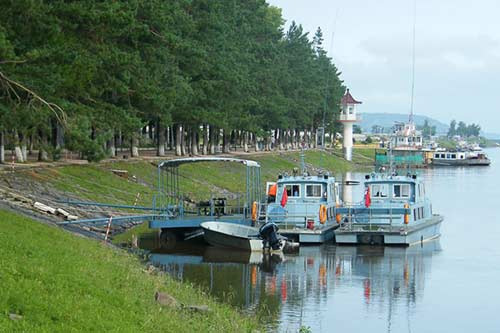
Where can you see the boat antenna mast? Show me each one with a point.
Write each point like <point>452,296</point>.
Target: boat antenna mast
<point>327,83</point>
<point>303,168</point>
<point>413,61</point>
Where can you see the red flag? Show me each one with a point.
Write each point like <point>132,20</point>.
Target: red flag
<point>284,198</point>
<point>368,200</point>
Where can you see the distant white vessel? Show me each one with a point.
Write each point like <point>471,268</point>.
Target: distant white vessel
<point>406,137</point>
<point>460,158</point>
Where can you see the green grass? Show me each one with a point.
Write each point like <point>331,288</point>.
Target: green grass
<point>99,183</point>
<point>367,153</point>
<point>59,282</point>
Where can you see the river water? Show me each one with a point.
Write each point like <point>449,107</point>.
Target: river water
<point>448,285</point>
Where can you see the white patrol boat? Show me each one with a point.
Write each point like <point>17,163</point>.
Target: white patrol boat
<point>395,211</point>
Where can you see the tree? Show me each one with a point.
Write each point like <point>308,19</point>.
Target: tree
<point>452,130</point>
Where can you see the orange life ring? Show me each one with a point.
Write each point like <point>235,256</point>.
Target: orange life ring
<point>322,214</point>
<point>254,211</point>
<point>407,216</point>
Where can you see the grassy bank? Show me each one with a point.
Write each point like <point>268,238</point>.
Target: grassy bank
<point>59,282</point>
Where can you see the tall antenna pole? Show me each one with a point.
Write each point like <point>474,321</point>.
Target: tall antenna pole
<point>325,106</point>
<point>413,61</point>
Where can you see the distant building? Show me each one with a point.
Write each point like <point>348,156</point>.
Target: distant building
<point>406,136</point>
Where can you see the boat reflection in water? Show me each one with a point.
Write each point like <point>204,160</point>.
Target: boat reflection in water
<point>316,287</point>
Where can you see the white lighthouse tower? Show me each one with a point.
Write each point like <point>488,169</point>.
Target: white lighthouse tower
<point>348,117</point>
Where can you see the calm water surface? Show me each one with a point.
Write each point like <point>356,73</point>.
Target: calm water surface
<point>449,285</point>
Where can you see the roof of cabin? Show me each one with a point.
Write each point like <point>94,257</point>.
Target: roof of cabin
<point>392,180</point>
<point>348,99</point>
<point>306,179</point>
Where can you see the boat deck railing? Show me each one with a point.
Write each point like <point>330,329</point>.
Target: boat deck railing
<point>291,218</point>
<point>370,219</point>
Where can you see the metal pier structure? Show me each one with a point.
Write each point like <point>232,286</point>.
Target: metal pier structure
<point>177,218</point>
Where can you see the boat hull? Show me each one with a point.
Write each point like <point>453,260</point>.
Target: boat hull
<point>232,236</point>
<point>464,162</point>
<point>307,236</point>
<point>405,236</point>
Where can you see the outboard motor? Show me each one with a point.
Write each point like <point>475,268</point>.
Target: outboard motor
<point>269,233</point>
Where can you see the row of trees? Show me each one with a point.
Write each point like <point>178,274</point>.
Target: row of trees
<point>427,129</point>
<point>190,75</point>
<point>463,129</point>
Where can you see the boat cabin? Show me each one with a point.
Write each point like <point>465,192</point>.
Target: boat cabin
<point>394,200</point>
<point>305,196</point>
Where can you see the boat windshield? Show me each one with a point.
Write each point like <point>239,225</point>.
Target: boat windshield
<point>313,190</point>
<point>293,190</point>
<point>401,190</point>
<point>379,190</point>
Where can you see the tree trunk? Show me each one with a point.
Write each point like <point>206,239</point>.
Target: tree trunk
<point>245,142</point>
<point>226,147</point>
<point>172,137</point>
<point>118,142</point>
<point>151,131</point>
<point>57,135</point>
<point>255,142</point>
<point>194,140</point>
<point>24,147</point>
<point>168,135</point>
<point>42,152</point>
<point>205,139</point>
<point>134,145</point>
<point>110,146</point>
<point>178,139</point>
<point>31,144</point>
<point>160,144</point>
<point>183,141</point>
<point>313,137</point>
<point>240,137</point>
<point>2,147</point>
<point>280,139</point>
<point>17,148</point>
<point>268,142</point>
<point>213,138</point>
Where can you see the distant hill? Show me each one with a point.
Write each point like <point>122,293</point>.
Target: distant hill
<point>387,120</point>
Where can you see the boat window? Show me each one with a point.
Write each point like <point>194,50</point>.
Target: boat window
<point>313,190</point>
<point>453,155</point>
<point>442,156</point>
<point>447,155</point>
<point>401,191</point>
<point>415,214</point>
<point>293,190</point>
<point>436,155</point>
<point>379,190</point>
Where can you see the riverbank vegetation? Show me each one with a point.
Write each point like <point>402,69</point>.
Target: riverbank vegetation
<point>53,281</point>
<point>195,77</point>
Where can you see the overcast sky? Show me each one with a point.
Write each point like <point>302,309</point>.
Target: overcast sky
<point>457,71</point>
